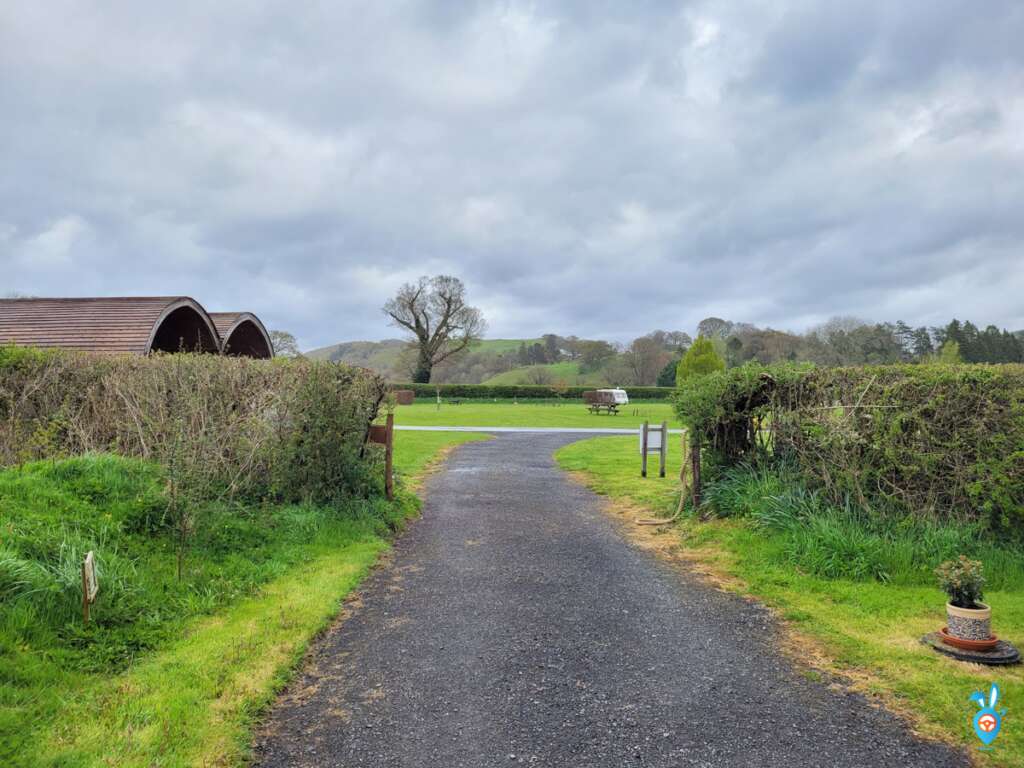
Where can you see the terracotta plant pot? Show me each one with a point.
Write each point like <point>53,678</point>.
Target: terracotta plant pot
<point>969,645</point>
<point>969,623</point>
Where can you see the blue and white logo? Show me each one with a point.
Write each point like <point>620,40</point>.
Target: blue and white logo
<point>987,721</point>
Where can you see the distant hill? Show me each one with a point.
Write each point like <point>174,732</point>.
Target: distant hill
<point>379,356</point>
<point>566,372</point>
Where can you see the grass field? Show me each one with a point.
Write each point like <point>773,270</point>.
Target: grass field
<point>529,414</point>
<point>169,673</point>
<point>415,451</point>
<point>865,630</point>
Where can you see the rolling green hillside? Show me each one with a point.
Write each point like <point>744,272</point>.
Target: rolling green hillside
<point>565,372</point>
<point>381,356</point>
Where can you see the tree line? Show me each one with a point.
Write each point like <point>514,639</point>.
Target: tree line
<point>445,329</point>
<point>849,341</point>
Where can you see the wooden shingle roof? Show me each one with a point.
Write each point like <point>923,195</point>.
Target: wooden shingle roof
<point>135,325</point>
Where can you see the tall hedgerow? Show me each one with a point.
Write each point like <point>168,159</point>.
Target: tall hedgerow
<point>290,430</point>
<point>941,441</point>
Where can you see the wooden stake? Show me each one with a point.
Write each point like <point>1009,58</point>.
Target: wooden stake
<point>389,450</point>
<point>643,452</point>
<point>663,452</point>
<point>85,595</point>
<point>695,459</point>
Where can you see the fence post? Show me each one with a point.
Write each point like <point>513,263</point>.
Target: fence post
<point>85,594</point>
<point>643,451</point>
<point>663,452</point>
<point>389,449</point>
<point>695,459</point>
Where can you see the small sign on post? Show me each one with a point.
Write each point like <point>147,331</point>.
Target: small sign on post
<point>385,435</point>
<point>90,585</point>
<point>653,440</point>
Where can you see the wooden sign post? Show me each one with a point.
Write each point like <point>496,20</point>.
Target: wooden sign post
<point>385,435</point>
<point>695,467</point>
<point>389,453</point>
<point>653,440</point>
<point>90,585</point>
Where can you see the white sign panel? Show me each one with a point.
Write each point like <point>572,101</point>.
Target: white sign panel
<point>653,440</point>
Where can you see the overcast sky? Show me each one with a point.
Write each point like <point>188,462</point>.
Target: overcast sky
<point>590,168</point>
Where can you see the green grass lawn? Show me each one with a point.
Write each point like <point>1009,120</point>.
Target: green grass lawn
<point>414,451</point>
<point>169,673</point>
<point>868,630</point>
<point>570,413</point>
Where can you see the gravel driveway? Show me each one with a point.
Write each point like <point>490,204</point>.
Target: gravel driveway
<point>515,626</point>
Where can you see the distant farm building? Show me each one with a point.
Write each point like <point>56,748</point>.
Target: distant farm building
<point>131,325</point>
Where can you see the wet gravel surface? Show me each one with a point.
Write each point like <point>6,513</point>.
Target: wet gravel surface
<point>515,626</point>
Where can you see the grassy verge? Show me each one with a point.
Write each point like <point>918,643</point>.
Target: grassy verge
<point>169,673</point>
<point>416,452</point>
<point>530,414</point>
<point>195,701</point>
<point>862,628</point>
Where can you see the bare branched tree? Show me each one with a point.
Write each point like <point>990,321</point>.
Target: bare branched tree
<point>646,357</point>
<point>435,312</point>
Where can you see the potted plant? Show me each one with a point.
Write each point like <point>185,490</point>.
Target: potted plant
<point>968,618</point>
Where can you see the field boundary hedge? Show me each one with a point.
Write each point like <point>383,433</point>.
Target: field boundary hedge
<point>525,391</point>
<point>289,430</point>
<point>941,441</point>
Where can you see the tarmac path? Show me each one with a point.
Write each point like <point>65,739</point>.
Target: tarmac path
<point>514,625</point>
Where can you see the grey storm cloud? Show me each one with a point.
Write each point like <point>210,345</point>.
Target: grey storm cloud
<point>600,169</point>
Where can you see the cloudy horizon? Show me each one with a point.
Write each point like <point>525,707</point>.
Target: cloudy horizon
<point>596,169</point>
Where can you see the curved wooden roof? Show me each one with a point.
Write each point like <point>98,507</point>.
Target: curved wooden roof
<point>242,333</point>
<point>137,325</point>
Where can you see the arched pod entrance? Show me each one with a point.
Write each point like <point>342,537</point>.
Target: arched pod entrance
<point>184,326</point>
<point>243,335</point>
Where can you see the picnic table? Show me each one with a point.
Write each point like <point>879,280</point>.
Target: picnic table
<point>601,401</point>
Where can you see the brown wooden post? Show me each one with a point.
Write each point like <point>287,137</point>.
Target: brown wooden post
<point>643,452</point>
<point>695,459</point>
<point>664,447</point>
<point>389,449</point>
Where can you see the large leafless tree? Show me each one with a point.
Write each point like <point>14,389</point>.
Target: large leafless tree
<point>435,312</point>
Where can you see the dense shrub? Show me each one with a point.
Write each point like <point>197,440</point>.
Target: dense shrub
<point>221,427</point>
<point>946,442</point>
<point>524,391</point>
<point>700,359</point>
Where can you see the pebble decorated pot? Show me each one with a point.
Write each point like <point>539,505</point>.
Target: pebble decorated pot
<point>969,623</point>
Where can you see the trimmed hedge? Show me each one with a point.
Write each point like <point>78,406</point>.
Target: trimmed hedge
<point>280,429</point>
<point>935,440</point>
<point>525,391</point>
